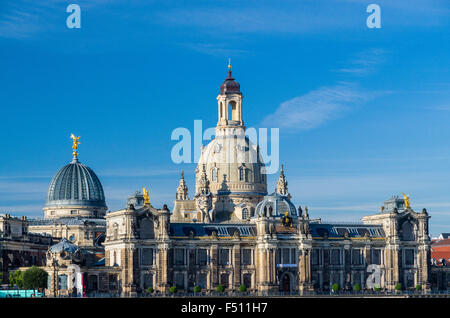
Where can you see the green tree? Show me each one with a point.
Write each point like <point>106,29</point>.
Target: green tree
<point>377,287</point>
<point>197,289</point>
<point>335,288</point>
<point>35,278</point>
<point>357,287</point>
<point>220,288</point>
<point>418,287</point>
<point>398,286</point>
<point>242,288</point>
<point>173,289</point>
<point>16,279</point>
<point>150,290</point>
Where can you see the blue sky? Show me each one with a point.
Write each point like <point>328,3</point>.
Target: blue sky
<point>363,113</point>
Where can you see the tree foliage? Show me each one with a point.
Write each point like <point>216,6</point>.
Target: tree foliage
<point>220,288</point>
<point>35,278</point>
<point>16,279</point>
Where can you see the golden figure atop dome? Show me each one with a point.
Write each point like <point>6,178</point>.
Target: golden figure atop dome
<point>146,196</point>
<point>75,144</point>
<point>229,64</point>
<point>407,203</point>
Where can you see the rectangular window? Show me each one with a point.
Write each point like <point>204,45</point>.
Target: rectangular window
<point>179,256</point>
<point>201,280</point>
<point>409,257</point>
<point>335,257</point>
<point>247,279</point>
<point>202,256</point>
<point>246,256</point>
<point>356,257</point>
<point>147,256</point>
<point>62,281</point>
<point>285,256</point>
<point>148,280</point>
<point>179,280</point>
<point>376,256</point>
<point>112,282</point>
<point>293,257</point>
<point>315,256</point>
<point>225,280</point>
<point>224,257</point>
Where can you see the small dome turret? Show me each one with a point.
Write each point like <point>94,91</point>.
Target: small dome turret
<point>275,205</point>
<point>230,86</point>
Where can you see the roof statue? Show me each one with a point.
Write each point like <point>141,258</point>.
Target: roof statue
<point>407,203</point>
<point>75,144</point>
<point>146,196</point>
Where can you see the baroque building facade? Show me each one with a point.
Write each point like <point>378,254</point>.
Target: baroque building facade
<point>231,232</point>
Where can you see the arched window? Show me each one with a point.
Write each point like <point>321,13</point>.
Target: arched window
<point>245,214</point>
<point>408,231</point>
<point>214,174</point>
<point>243,174</point>
<point>232,111</point>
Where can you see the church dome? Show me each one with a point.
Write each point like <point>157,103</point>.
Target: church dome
<point>75,185</point>
<point>275,205</point>
<point>233,165</point>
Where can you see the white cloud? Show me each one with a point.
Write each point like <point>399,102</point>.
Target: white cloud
<point>365,62</point>
<point>316,107</point>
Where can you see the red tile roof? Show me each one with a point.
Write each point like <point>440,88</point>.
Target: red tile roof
<point>440,249</point>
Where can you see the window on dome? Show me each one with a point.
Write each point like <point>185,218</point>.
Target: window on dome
<point>214,174</point>
<point>241,174</point>
<point>245,214</point>
<point>73,212</point>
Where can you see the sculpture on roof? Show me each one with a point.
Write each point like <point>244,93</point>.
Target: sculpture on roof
<point>146,196</point>
<point>407,203</point>
<point>75,144</point>
<point>286,220</point>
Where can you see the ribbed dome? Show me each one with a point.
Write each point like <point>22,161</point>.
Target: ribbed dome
<point>63,246</point>
<point>230,86</point>
<point>75,185</point>
<point>275,205</point>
